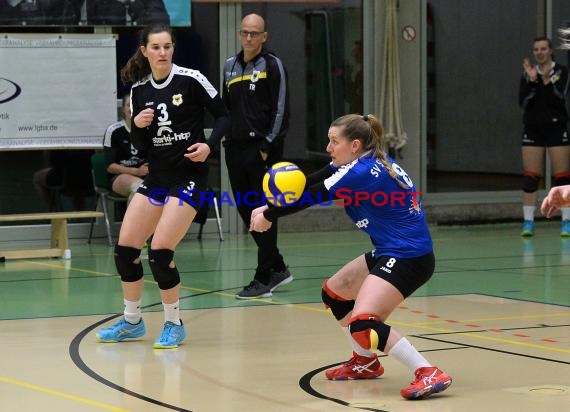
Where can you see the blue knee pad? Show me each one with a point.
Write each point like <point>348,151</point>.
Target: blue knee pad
<point>159,261</point>
<point>125,257</point>
<point>369,332</point>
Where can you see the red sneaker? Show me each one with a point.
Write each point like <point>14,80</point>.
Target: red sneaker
<point>428,381</point>
<point>357,367</point>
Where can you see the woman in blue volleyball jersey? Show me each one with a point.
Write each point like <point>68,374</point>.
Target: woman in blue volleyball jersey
<point>363,293</point>
<point>167,105</point>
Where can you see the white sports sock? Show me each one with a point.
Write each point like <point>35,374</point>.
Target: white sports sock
<point>132,311</point>
<point>355,346</point>
<point>405,352</point>
<point>172,312</point>
<point>565,213</point>
<point>528,212</point>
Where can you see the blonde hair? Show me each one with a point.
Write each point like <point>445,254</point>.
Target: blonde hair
<point>368,130</point>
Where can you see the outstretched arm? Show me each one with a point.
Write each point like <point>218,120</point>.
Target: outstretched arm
<point>315,192</point>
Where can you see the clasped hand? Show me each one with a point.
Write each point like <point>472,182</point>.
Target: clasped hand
<point>198,152</point>
<point>258,222</point>
<point>557,198</point>
<point>144,118</point>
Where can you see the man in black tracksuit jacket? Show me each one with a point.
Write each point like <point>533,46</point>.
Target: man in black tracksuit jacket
<point>256,95</point>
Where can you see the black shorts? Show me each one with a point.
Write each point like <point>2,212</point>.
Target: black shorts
<point>554,134</point>
<point>191,189</point>
<point>406,275</point>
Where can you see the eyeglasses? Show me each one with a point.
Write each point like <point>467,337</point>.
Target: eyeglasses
<point>253,34</point>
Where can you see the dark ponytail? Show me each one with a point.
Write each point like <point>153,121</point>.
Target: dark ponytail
<point>138,67</point>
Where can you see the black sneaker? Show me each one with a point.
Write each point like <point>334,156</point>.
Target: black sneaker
<point>279,279</point>
<point>254,290</point>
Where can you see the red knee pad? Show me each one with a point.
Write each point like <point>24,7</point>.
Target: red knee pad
<point>339,306</point>
<point>369,331</point>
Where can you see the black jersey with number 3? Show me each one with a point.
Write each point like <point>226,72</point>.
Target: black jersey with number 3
<point>178,122</point>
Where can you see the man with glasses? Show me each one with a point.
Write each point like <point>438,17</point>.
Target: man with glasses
<point>256,95</point>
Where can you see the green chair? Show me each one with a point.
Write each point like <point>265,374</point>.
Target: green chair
<point>103,192</point>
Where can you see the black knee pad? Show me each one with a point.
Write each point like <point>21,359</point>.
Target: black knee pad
<point>125,257</point>
<point>339,308</point>
<point>561,179</point>
<point>369,332</point>
<point>159,261</point>
<point>530,182</point>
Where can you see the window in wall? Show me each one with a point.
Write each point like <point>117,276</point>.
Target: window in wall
<point>474,67</point>
<point>196,47</point>
<point>321,47</point>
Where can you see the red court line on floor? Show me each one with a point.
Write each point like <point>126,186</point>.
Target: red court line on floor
<point>472,325</point>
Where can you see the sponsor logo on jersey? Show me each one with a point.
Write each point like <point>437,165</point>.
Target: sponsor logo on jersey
<point>149,104</point>
<point>132,162</point>
<point>385,269</point>
<point>362,223</point>
<point>416,207</point>
<point>168,140</point>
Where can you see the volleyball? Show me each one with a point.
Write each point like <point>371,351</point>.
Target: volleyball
<point>283,184</point>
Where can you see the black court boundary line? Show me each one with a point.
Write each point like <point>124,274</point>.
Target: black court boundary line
<point>509,270</point>
<point>257,302</point>
<point>149,275</point>
<point>522,355</point>
<point>517,299</point>
<point>78,361</point>
<point>305,380</point>
<point>459,332</point>
<point>82,366</point>
<point>250,302</point>
<point>305,385</point>
<point>463,258</point>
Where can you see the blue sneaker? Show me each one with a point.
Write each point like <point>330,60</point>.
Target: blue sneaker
<point>528,228</point>
<point>171,337</point>
<point>565,230</point>
<point>122,330</point>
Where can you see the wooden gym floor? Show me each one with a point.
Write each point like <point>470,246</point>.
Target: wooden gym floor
<point>495,316</point>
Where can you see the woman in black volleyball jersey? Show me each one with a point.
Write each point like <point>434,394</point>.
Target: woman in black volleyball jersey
<point>167,105</point>
<point>126,166</point>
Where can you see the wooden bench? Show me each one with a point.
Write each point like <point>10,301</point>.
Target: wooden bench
<point>59,240</point>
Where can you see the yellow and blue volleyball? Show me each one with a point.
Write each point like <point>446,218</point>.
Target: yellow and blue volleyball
<point>283,184</point>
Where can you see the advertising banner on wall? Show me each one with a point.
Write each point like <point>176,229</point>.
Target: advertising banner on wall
<point>56,91</point>
<point>179,12</point>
